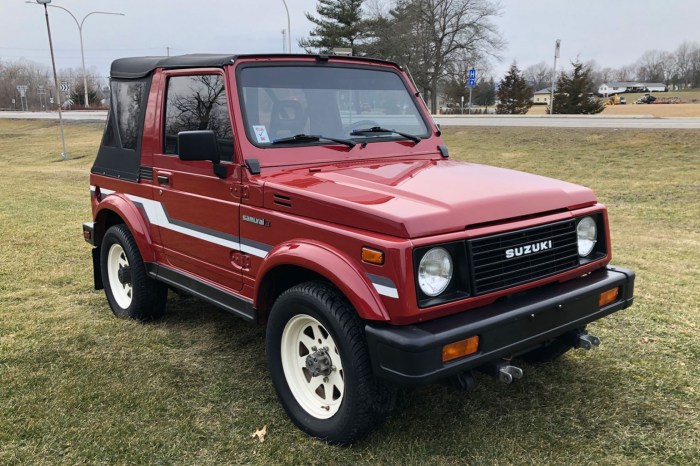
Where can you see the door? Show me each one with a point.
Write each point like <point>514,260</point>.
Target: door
<point>199,220</point>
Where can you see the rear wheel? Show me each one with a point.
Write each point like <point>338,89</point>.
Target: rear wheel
<point>319,364</point>
<point>130,291</point>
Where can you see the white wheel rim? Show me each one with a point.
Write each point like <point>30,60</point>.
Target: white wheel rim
<point>320,396</point>
<point>116,260</point>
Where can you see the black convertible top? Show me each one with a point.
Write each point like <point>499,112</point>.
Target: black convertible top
<point>139,67</point>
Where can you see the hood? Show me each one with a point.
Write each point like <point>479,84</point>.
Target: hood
<point>412,199</point>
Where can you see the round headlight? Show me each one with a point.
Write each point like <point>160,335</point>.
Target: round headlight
<point>435,271</point>
<point>587,236</point>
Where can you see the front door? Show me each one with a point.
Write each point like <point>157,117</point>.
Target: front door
<point>199,228</point>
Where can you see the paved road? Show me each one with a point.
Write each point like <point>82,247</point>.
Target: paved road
<point>565,121</point>
<point>83,115</point>
<point>557,121</point>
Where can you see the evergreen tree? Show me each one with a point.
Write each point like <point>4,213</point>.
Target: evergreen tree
<point>77,95</point>
<point>514,95</point>
<point>339,24</point>
<point>573,94</point>
<point>485,93</point>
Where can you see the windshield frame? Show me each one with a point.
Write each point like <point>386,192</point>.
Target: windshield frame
<point>413,96</point>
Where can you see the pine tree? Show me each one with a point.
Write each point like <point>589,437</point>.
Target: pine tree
<point>339,24</point>
<point>485,93</point>
<point>574,92</point>
<point>514,95</point>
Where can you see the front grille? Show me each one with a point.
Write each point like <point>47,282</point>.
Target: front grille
<point>493,271</point>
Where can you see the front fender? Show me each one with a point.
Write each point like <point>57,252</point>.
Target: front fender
<point>334,266</point>
<point>132,217</point>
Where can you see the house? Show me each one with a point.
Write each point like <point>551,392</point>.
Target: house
<point>542,96</point>
<point>619,87</point>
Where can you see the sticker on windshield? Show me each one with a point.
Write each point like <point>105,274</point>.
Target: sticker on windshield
<point>261,133</point>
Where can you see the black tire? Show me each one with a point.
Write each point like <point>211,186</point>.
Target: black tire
<point>549,352</point>
<point>365,402</point>
<point>131,293</point>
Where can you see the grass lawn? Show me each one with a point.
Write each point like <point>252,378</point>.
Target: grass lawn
<point>78,386</point>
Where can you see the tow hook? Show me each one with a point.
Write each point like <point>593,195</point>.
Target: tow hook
<point>503,371</point>
<point>507,373</point>
<point>587,341</point>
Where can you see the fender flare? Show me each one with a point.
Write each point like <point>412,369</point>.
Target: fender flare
<point>133,218</point>
<point>331,264</point>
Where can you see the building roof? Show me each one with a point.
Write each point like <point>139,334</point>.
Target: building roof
<point>139,67</point>
<point>546,90</point>
<point>632,84</point>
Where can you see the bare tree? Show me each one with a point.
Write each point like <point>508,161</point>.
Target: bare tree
<point>431,36</point>
<point>538,76</point>
<point>655,66</point>
<point>683,60</point>
<point>625,73</point>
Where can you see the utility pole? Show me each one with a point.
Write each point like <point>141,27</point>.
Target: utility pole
<point>64,154</point>
<point>167,50</point>
<point>554,75</point>
<point>80,32</point>
<point>289,29</point>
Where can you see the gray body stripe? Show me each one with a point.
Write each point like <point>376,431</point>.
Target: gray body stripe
<point>383,285</point>
<point>255,244</point>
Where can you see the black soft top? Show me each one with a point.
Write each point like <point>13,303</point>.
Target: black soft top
<point>139,67</point>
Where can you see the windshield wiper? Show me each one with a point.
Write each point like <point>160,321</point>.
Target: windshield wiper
<point>379,129</point>
<point>299,138</point>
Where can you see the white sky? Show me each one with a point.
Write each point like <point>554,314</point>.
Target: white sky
<point>612,32</point>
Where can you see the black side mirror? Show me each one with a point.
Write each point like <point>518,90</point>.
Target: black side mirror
<point>200,145</point>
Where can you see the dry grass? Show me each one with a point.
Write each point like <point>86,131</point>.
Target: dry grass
<point>78,386</point>
<point>655,110</point>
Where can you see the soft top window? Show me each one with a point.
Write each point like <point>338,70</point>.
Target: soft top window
<point>119,155</point>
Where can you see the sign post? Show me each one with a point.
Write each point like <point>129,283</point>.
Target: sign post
<point>22,89</point>
<point>472,83</point>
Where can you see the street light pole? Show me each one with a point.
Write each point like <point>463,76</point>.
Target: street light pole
<point>289,29</point>
<point>80,32</point>
<point>64,154</point>
<point>554,74</point>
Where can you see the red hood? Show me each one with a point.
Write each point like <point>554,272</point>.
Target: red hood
<point>412,199</point>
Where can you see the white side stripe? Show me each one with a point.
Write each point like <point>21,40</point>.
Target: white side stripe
<point>386,291</point>
<point>157,216</point>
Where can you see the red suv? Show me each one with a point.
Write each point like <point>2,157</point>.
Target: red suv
<point>314,195</point>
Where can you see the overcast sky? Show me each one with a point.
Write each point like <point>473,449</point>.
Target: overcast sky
<point>614,33</point>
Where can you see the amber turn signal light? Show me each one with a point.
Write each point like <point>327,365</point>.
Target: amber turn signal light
<point>460,348</point>
<point>372,256</point>
<point>607,297</point>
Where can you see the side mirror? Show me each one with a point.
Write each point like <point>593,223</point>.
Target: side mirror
<point>200,145</point>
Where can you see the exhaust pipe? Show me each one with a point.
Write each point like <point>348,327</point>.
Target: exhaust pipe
<point>463,382</point>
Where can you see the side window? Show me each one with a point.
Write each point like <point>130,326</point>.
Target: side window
<point>127,100</point>
<point>197,103</point>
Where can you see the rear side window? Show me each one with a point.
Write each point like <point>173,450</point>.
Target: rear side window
<point>127,100</point>
<point>197,103</point>
<point>119,155</point>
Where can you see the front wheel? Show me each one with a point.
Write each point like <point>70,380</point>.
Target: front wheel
<point>130,291</point>
<point>319,363</point>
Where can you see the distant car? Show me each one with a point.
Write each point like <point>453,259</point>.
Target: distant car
<point>623,101</point>
<point>647,99</point>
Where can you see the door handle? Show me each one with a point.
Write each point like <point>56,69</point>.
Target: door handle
<point>163,179</point>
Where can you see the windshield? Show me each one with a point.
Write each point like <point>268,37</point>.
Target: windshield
<point>330,101</point>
